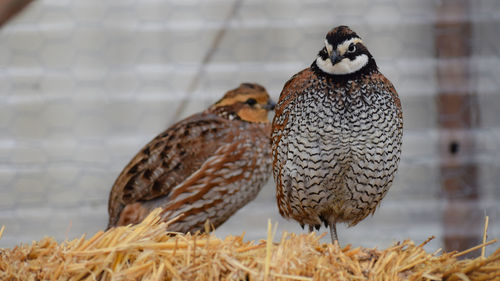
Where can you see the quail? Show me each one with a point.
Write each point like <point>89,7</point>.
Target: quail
<point>336,136</point>
<point>205,167</point>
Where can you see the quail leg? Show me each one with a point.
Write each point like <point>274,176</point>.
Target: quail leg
<point>333,232</point>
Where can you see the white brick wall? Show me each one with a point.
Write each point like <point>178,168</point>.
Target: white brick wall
<point>84,84</point>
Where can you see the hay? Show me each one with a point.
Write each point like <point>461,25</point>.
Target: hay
<point>145,252</point>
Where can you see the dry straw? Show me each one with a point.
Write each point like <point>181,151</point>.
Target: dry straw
<point>146,252</point>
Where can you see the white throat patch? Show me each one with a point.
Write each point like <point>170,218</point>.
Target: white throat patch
<point>345,66</point>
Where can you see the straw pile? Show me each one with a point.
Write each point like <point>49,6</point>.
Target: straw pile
<point>145,252</point>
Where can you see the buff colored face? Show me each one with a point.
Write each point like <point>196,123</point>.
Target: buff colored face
<point>251,104</point>
<point>345,58</point>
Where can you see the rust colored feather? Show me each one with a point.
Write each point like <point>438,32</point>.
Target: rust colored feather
<point>204,167</point>
<point>336,136</point>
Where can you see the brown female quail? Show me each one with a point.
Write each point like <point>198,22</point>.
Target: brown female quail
<point>205,167</point>
<point>336,136</point>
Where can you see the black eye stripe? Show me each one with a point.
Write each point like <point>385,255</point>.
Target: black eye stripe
<point>323,53</point>
<point>251,101</point>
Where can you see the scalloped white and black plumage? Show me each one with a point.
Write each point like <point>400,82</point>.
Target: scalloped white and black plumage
<point>336,136</point>
<point>205,167</point>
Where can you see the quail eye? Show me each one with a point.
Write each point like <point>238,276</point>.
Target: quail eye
<point>251,101</point>
<point>352,48</point>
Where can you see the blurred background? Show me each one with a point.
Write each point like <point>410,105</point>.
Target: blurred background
<point>85,84</point>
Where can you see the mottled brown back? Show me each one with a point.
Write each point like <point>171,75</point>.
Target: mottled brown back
<point>206,166</point>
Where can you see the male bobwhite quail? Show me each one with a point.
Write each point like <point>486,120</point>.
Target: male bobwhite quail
<point>336,136</point>
<point>205,167</point>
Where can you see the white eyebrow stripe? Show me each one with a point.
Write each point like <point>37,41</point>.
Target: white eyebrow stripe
<point>342,47</point>
<point>329,47</point>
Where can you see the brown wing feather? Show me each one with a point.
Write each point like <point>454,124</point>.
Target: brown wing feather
<point>227,181</point>
<point>291,90</point>
<point>200,187</point>
<point>167,161</point>
<point>390,88</point>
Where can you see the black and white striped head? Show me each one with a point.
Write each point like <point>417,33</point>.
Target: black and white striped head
<point>344,53</point>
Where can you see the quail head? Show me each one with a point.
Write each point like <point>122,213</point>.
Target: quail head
<point>205,167</point>
<point>336,136</point>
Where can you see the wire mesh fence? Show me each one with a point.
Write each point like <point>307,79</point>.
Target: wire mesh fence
<point>85,84</point>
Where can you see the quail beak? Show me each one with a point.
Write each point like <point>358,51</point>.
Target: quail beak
<point>270,105</point>
<point>335,57</point>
